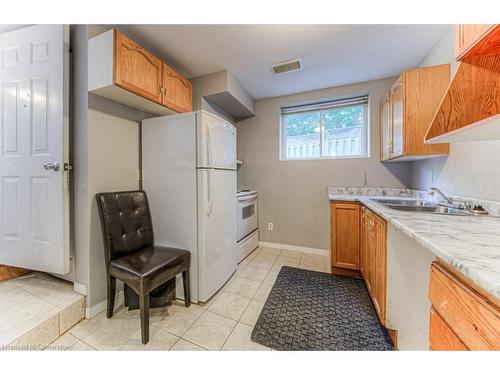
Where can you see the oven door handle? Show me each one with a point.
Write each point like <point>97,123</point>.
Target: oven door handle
<point>247,197</point>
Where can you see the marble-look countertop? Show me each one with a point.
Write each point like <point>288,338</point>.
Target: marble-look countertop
<point>471,244</point>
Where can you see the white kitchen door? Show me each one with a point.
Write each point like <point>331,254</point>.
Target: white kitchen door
<point>34,146</point>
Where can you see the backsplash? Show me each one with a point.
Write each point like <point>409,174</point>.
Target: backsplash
<point>402,192</point>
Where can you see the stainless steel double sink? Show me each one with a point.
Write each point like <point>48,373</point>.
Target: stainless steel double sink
<point>415,205</point>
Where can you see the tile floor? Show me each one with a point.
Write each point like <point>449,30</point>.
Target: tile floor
<point>223,323</point>
<point>36,308</point>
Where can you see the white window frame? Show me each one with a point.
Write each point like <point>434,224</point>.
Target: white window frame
<point>363,145</point>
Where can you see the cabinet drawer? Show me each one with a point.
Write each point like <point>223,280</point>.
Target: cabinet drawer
<point>441,337</point>
<point>474,320</point>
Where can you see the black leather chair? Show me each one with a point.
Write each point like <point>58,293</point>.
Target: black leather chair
<point>131,255</point>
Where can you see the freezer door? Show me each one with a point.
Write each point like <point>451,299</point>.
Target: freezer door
<point>217,248</point>
<point>216,142</point>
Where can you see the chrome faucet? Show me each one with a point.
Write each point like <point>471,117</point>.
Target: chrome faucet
<point>435,190</point>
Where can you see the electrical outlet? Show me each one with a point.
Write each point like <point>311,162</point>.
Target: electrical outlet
<point>270,226</point>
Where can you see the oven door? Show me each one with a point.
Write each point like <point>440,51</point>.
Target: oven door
<point>247,215</point>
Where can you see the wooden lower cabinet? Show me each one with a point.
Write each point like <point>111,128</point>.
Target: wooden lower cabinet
<point>375,254</point>
<point>441,337</point>
<point>345,219</point>
<point>359,242</point>
<point>463,316</point>
<point>363,241</point>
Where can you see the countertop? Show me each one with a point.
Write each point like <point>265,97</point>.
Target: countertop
<point>470,244</point>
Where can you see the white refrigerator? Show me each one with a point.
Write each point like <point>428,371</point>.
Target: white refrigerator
<point>189,175</point>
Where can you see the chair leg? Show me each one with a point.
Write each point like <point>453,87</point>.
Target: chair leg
<point>187,286</point>
<point>111,296</point>
<point>144,305</point>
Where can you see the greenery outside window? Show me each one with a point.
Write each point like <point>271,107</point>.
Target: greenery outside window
<point>327,129</point>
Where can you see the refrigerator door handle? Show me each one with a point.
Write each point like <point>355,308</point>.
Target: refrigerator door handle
<point>209,145</point>
<point>211,188</point>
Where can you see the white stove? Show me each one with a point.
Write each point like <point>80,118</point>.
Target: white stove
<point>247,221</point>
<point>243,192</point>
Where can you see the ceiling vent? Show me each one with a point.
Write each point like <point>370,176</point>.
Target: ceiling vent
<point>287,66</point>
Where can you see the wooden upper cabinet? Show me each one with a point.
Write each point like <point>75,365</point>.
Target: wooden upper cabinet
<point>177,91</point>
<point>475,40</point>
<point>413,100</point>
<point>136,69</point>
<point>397,99</point>
<point>471,112</point>
<point>345,218</point>
<point>121,70</point>
<point>385,129</point>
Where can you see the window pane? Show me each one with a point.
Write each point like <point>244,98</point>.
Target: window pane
<point>302,132</point>
<point>344,130</point>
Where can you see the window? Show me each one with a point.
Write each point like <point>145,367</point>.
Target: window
<point>325,130</point>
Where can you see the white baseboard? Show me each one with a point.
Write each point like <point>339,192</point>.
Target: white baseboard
<point>309,250</point>
<point>91,312</point>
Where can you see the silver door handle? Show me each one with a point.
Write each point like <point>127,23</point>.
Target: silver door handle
<point>51,166</point>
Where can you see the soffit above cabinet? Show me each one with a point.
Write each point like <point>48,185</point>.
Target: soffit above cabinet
<point>224,90</point>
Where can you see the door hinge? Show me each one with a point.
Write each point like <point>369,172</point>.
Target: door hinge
<point>68,167</point>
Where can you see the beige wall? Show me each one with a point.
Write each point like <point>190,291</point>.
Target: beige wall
<point>470,170</point>
<point>293,194</point>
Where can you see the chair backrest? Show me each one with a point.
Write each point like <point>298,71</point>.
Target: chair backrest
<point>125,221</point>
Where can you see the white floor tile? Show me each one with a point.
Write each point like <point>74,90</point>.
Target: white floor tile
<point>263,292</point>
<point>240,339</point>
<point>270,251</point>
<point>230,306</point>
<point>16,314</point>
<point>271,277</point>
<point>155,315</point>
<point>252,313</point>
<point>88,326</point>
<point>113,333</point>
<point>183,345</point>
<point>158,340</point>
<point>210,331</point>
<point>49,288</point>
<point>253,273</point>
<point>68,342</point>
<point>264,263</point>
<point>278,265</point>
<point>179,318</point>
<point>243,287</point>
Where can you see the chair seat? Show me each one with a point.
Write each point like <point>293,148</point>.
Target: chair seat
<point>147,268</point>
